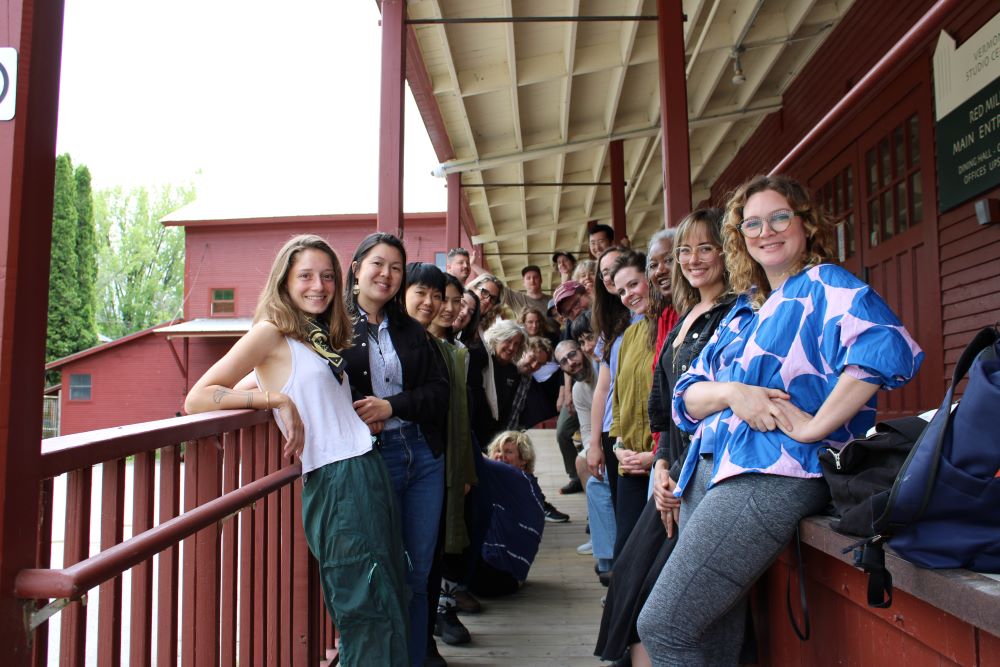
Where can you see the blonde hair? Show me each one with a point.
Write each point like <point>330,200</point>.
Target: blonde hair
<point>744,272</point>
<point>504,330</point>
<point>524,447</point>
<point>684,296</point>
<point>585,267</point>
<point>522,318</point>
<point>275,305</point>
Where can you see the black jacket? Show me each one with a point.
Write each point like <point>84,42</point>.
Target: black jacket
<point>425,395</point>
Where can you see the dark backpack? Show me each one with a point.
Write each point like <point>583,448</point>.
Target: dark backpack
<point>941,508</point>
<point>861,474</point>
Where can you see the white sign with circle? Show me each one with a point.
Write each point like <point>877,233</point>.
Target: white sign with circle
<point>8,81</point>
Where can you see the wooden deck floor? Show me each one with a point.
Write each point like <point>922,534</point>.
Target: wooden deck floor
<point>553,619</point>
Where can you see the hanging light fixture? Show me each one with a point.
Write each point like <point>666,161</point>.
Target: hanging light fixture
<point>738,77</point>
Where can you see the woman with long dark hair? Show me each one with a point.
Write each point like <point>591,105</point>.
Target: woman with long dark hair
<point>400,385</point>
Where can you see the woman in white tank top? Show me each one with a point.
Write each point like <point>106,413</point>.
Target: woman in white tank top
<point>348,510</point>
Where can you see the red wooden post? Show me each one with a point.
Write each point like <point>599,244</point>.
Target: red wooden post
<point>248,544</point>
<point>27,172</point>
<point>73,640</point>
<point>168,561</point>
<point>44,559</point>
<point>390,155</point>
<point>673,112</point>
<point>109,613</point>
<point>141,624</point>
<point>617,159</point>
<point>453,223</point>
<point>229,585</point>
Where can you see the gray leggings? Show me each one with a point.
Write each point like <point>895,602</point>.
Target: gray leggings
<point>729,536</point>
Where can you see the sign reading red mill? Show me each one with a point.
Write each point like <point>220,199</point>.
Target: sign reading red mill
<point>967,101</point>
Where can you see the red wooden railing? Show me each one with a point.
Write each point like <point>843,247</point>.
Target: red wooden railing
<point>224,592</point>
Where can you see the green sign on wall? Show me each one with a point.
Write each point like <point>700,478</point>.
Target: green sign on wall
<point>968,148</point>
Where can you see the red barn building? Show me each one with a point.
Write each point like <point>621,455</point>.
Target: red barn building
<point>144,376</point>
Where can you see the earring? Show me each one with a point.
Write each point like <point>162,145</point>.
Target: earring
<point>356,290</point>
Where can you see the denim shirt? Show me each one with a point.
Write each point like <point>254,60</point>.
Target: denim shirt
<point>387,372</point>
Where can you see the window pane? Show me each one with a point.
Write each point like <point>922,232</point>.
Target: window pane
<point>838,187</point>
<point>883,149</point>
<point>849,233</point>
<point>887,217</point>
<point>874,222</point>
<point>872,171</point>
<point>916,199</point>
<point>222,295</point>
<point>849,179</point>
<point>223,307</point>
<point>899,148</point>
<point>914,132</point>
<point>79,387</point>
<point>901,207</point>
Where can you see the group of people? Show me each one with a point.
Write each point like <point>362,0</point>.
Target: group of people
<point>693,386</point>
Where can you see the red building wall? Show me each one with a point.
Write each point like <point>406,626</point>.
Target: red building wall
<point>238,254</point>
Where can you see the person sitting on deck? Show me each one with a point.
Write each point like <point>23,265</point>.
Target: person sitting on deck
<point>517,518</point>
<point>300,326</point>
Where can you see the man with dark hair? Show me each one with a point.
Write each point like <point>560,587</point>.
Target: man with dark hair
<point>459,264</point>
<point>532,296</point>
<point>602,237</point>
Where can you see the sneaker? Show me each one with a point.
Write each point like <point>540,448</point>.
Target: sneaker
<point>552,515</point>
<point>585,549</point>
<point>450,629</point>
<point>573,486</point>
<point>466,601</point>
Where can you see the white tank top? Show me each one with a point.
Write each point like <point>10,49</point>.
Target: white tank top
<point>334,431</point>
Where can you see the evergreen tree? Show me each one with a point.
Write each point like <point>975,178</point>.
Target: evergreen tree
<point>86,257</point>
<point>141,262</point>
<point>64,299</point>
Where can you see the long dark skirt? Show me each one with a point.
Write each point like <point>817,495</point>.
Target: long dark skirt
<point>635,571</point>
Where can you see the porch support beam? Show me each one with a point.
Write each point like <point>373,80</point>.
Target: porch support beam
<point>27,173</point>
<point>673,112</point>
<point>616,155</point>
<point>452,225</point>
<point>528,19</point>
<point>390,155</point>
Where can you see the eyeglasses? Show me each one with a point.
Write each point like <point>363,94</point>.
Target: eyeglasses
<point>572,354</point>
<point>704,251</point>
<point>486,295</point>
<point>778,221</point>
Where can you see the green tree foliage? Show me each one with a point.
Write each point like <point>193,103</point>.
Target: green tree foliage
<point>64,297</point>
<point>86,257</point>
<point>141,263</point>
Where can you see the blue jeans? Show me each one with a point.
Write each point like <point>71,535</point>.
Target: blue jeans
<point>418,480</point>
<point>601,514</point>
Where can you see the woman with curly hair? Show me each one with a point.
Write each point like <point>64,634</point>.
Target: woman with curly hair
<point>792,368</point>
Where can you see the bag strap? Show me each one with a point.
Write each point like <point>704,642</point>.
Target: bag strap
<point>803,634</point>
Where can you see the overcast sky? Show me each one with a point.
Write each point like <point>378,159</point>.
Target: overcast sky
<point>266,107</point>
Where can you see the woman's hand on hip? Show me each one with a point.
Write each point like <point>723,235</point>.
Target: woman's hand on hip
<point>799,422</point>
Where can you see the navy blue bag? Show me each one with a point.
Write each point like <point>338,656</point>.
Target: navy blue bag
<point>944,507</point>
